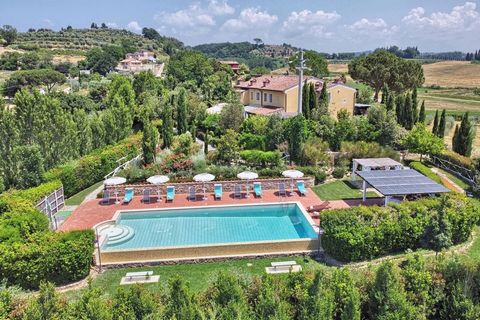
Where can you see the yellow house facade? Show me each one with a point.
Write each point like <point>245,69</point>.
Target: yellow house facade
<point>273,93</point>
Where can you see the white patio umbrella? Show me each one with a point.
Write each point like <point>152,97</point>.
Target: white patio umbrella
<point>247,175</point>
<point>292,174</point>
<point>204,177</point>
<point>158,180</point>
<point>115,181</point>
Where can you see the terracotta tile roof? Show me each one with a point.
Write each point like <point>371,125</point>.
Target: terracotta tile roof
<point>271,82</point>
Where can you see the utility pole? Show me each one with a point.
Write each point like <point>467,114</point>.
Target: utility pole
<point>300,68</point>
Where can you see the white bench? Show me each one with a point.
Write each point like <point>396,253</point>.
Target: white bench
<point>144,274</point>
<point>283,264</point>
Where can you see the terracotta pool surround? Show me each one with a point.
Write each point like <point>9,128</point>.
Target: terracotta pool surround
<point>208,251</point>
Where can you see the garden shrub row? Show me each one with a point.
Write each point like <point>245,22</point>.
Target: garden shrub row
<point>80,174</point>
<point>29,251</point>
<point>426,171</point>
<point>261,159</point>
<point>457,163</point>
<point>361,233</point>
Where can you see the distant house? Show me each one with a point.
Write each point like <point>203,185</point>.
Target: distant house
<point>141,60</point>
<point>269,94</point>
<point>234,65</point>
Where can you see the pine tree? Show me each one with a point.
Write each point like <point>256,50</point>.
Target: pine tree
<point>408,116</point>
<point>442,125</point>
<point>313,101</point>
<point>149,142</point>
<point>422,115</point>
<point>435,123</point>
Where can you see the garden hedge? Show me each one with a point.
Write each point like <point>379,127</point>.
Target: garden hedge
<point>426,171</point>
<point>82,173</point>
<point>361,233</point>
<point>29,252</point>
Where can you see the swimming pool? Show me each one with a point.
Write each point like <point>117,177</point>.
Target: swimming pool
<point>206,232</point>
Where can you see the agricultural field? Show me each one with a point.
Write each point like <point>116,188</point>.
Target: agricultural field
<point>452,74</point>
<point>452,99</point>
<point>338,68</point>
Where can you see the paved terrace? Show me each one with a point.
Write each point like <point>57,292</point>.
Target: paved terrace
<point>92,212</point>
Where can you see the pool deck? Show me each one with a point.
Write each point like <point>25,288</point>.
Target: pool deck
<point>92,212</point>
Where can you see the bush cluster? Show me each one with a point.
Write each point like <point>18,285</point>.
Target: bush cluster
<point>29,252</point>
<point>88,170</point>
<point>261,159</point>
<point>361,233</point>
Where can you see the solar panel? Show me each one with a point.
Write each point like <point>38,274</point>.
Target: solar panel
<point>400,182</point>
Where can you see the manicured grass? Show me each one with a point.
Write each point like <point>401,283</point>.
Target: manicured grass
<point>426,171</point>
<point>199,275</point>
<point>462,184</point>
<point>78,198</point>
<point>339,190</point>
<point>474,251</point>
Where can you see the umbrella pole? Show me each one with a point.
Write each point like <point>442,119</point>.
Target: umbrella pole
<point>116,195</point>
<point>158,200</point>
<point>248,194</point>
<point>291,185</point>
<point>204,196</point>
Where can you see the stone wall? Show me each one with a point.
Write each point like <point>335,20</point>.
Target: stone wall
<point>227,186</point>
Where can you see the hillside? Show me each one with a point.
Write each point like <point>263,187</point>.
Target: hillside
<point>452,74</point>
<point>269,56</point>
<point>84,39</point>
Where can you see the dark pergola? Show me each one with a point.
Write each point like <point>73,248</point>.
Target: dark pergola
<point>399,183</point>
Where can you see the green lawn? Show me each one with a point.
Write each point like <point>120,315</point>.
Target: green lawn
<point>199,275</point>
<point>77,199</point>
<point>462,184</point>
<point>339,190</point>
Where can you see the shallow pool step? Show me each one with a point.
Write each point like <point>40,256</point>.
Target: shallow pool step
<point>118,234</point>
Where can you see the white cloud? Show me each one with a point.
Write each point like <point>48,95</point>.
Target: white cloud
<point>48,23</point>
<point>251,18</point>
<point>134,26</point>
<point>461,18</point>
<point>220,8</point>
<point>310,23</point>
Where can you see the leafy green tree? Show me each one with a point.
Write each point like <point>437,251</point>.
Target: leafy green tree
<point>189,65</point>
<point>228,147</point>
<point>46,306</point>
<point>232,116</point>
<point>408,113</point>
<point>390,104</point>
<point>135,302</point>
<point>315,152</point>
<point>422,115</point>
<point>10,61</point>
<point>387,297</point>
<point>312,100</point>
<point>438,234</point>
<point>418,283</point>
<point>385,95</point>
<point>103,60</point>
<point>442,124</point>
<point>381,68</point>
<point>269,303</point>
<point>229,297</point>
<point>421,141</point>
<point>184,144</point>
<point>97,128</point>
<point>181,302</point>
<point>435,124</point>
<point>181,106</point>
<point>84,132</point>
<point>463,140</point>
<point>274,134</point>
<point>323,100</point>
<point>306,100</point>
<point>10,137</point>
<point>47,78</point>
<point>8,33</point>
<point>28,161</point>
<point>317,64</point>
<point>90,305</point>
<point>149,143</point>
<point>384,123</point>
<point>146,82</point>
<point>364,95</point>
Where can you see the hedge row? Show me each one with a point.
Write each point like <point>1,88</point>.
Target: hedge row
<point>361,233</point>
<point>261,159</point>
<point>29,251</point>
<point>48,256</point>
<point>88,170</point>
<point>426,171</point>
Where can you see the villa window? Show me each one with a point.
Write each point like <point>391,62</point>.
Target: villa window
<point>270,98</point>
<point>264,97</point>
<point>258,95</point>
<point>251,95</point>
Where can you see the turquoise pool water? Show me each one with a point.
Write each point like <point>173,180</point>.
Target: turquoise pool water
<point>210,225</point>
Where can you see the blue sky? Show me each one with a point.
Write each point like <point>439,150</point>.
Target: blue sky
<point>331,26</point>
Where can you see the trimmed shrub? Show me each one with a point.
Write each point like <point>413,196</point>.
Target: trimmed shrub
<point>426,171</point>
<point>88,170</point>
<point>361,233</point>
<point>315,172</point>
<point>261,159</point>
<point>339,172</point>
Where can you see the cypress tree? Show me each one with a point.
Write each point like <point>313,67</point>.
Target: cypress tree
<point>390,103</point>
<point>464,137</point>
<point>323,99</point>
<point>385,95</point>
<point>306,100</point>
<point>455,139</point>
<point>167,128</point>
<point>435,123</point>
<point>414,106</point>
<point>422,115</point>
<point>441,125</point>
<point>408,113</point>
<point>313,101</point>
<point>182,116</point>
<point>399,109</point>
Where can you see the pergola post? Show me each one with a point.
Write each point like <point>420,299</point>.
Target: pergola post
<point>364,188</point>
<point>387,198</point>
<point>354,168</point>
